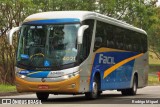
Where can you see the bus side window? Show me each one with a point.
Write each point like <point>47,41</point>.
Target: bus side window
<point>110,37</point>
<point>140,43</point>
<point>98,42</point>
<point>133,41</point>
<point>145,45</point>
<point>119,38</point>
<point>131,45</point>
<point>99,36</point>
<point>105,36</point>
<point>127,43</point>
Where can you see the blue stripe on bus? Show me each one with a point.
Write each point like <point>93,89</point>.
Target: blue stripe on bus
<point>39,74</point>
<point>34,74</point>
<point>54,21</point>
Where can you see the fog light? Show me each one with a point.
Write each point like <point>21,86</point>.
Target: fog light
<point>70,75</point>
<point>74,74</point>
<point>73,85</point>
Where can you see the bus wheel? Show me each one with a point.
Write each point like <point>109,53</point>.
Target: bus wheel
<point>95,90</point>
<point>42,96</point>
<point>133,90</point>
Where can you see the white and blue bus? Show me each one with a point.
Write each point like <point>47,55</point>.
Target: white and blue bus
<point>79,52</point>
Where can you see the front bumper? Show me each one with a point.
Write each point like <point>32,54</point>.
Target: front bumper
<point>71,85</point>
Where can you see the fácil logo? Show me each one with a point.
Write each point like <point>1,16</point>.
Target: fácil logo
<point>106,59</point>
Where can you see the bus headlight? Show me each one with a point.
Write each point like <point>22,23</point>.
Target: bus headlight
<point>22,73</point>
<point>21,76</point>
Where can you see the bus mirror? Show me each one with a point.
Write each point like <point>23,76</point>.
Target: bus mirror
<point>10,35</point>
<point>80,33</point>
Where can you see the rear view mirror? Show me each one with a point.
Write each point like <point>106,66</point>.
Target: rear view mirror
<point>80,33</point>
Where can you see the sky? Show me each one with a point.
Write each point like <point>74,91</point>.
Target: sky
<point>158,3</point>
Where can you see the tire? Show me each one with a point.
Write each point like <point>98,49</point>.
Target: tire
<point>95,90</point>
<point>42,96</point>
<point>133,90</point>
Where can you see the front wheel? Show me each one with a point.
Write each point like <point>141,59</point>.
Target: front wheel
<point>95,90</point>
<point>42,96</point>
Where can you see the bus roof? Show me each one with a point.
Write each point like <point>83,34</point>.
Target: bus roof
<point>81,15</point>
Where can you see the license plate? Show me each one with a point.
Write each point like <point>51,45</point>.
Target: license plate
<point>43,87</point>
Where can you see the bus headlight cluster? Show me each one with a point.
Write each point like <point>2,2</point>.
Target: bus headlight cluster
<point>21,76</point>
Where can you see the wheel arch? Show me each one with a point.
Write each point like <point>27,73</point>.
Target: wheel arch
<point>96,75</point>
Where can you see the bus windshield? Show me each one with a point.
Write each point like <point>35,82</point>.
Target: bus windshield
<point>47,45</point>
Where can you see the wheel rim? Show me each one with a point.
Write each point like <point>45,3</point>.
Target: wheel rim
<point>134,86</point>
<point>95,88</point>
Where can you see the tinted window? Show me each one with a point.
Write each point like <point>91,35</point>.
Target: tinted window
<point>119,38</point>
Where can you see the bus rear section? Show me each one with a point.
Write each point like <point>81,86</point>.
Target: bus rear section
<point>120,58</point>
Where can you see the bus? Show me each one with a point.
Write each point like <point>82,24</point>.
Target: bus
<point>79,52</point>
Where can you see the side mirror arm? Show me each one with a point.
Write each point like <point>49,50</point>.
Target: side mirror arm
<point>80,33</point>
<point>10,35</point>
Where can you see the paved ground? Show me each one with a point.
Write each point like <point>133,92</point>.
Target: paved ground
<point>108,97</point>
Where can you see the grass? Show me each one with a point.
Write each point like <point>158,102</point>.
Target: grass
<point>154,63</point>
<point>153,69</point>
<point>153,60</point>
<point>153,80</point>
<point>7,88</point>
<point>152,75</point>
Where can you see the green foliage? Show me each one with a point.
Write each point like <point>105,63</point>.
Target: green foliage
<point>153,80</point>
<point>154,33</point>
<point>7,88</point>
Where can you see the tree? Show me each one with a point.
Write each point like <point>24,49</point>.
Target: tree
<point>154,33</point>
<point>12,13</point>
